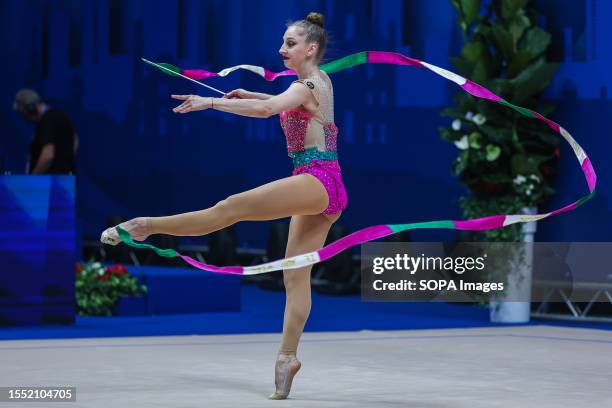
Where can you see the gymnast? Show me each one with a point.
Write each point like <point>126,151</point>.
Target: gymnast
<point>313,196</point>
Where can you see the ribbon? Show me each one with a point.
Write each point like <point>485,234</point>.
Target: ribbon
<point>379,231</point>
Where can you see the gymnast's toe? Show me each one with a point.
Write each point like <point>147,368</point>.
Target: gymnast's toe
<point>110,237</point>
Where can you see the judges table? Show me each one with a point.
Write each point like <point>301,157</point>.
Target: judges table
<point>37,250</point>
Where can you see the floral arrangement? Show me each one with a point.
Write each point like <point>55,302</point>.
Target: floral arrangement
<point>99,288</point>
<point>506,161</point>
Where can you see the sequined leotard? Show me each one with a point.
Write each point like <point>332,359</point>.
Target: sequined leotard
<point>312,143</point>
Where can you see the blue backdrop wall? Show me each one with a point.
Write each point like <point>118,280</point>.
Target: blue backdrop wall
<point>138,158</point>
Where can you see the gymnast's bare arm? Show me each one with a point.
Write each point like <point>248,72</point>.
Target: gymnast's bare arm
<point>296,95</point>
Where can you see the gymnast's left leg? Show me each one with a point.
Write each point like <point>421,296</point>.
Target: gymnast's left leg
<point>306,234</point>
<point>302,194</point>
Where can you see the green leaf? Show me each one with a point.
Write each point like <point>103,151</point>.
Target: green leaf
<point>501,135</point>
<point>503,41</point>
<point>535,41</point>
<point>520,60</point>
<point>461,163</point>
<point>517,27</point>
<point>547,137</point>
<point>502,86</point>
<point>473,51</point>
<point>493,152</point>
<point>470,10</point>
<point>475,140</point>
<point>516,142</point>
<point>510,7</point>
<point>532,80</point>
<point>527,164</point>
<point>481,71</point>
<point>463,66</point>
<point>478,157</point>
<point>466,102</point>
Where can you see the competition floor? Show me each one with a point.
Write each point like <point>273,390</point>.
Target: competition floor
<point>520,366</point>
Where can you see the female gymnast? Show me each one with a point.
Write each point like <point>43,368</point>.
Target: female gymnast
<point>314,196</point>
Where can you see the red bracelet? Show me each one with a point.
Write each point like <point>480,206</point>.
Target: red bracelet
<point>212,103</point>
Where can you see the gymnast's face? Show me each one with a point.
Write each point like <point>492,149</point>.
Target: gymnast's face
<point>295,51</point>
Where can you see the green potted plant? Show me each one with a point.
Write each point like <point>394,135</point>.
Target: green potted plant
<point>99,288</point>
<point>506,161</point>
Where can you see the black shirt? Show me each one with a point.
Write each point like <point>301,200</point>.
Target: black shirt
<point>54,128</point>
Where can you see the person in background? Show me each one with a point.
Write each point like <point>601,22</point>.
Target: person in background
<point>55,143</point>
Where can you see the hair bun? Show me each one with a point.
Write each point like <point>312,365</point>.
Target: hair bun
<point>316,18</point>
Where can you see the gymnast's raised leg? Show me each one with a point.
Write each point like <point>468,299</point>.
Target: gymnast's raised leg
<point>296,195</point>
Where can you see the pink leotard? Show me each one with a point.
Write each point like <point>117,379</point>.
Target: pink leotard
<point>312,143</point>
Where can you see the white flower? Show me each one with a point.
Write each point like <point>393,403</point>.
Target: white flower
<point>100,272</point>
<point>519,179</point>
<point>463,143</point>
<point>528,192</point>
<point>479,119</point>
<point>534,177</point>
<point>456,124</point>
<point>96,265</point>
<point>469,116</point>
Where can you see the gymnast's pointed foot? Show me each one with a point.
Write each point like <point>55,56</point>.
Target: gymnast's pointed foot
<point>287,366</point>
<point>138,228</point>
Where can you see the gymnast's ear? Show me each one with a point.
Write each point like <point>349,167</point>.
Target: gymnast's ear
<point>312,49</point>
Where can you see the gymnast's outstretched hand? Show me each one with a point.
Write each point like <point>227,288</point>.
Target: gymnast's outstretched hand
<point>192,103</point>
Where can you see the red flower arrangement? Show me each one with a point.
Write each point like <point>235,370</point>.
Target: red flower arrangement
<point>99,288</point>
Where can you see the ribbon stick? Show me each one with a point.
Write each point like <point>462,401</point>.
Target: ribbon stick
<point>172,70</point>
<point>379,231</point>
